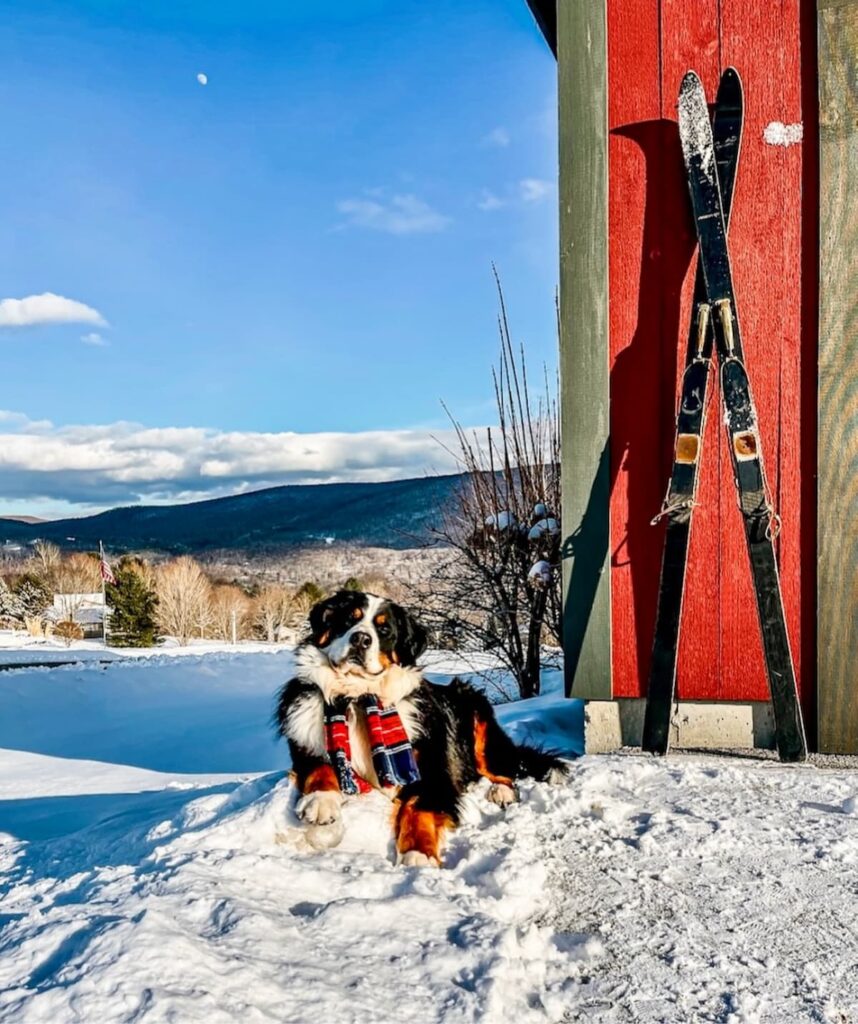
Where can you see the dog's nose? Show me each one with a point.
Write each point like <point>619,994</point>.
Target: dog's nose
<point>361,641</point>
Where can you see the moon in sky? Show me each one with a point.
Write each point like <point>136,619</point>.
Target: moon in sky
<point>203,79</point>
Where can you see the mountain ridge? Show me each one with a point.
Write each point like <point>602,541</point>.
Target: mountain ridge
<point>393,514</point>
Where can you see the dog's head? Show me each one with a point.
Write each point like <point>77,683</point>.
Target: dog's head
<point>364,635</point>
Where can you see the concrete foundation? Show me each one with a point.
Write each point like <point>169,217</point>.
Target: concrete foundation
<point>611,724</point>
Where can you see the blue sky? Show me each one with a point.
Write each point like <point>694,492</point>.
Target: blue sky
<point>301,246</point>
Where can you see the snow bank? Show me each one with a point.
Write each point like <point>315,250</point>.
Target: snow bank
<point>207,905</point>
<point>198,713</point>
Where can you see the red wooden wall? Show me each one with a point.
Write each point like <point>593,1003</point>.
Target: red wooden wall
<point>651,43</point>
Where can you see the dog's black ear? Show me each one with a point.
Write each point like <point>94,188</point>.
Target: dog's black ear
<point>411,637</point>
<point>322,614</point>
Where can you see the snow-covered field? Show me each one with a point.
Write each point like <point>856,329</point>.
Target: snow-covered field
<point>151,869</point>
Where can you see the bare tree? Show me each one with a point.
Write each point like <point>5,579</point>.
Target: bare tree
<point>302,601</point>
<point>500,587</point>
<point>183,592</point>
<point>45,561</point>
<point>74,577</point>
<point>230,612</point>
<point>272,609</point>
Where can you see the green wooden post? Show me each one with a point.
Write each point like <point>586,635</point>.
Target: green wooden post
<point>837,531</point>
<point>583,100</point>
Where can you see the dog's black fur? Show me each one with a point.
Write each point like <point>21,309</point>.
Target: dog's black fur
<point>359,640</point>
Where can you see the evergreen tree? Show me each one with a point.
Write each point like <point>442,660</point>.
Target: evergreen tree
<point>11,607</point>
<point>34,595</point>
<point>310,592</point>
<point>132,604</point>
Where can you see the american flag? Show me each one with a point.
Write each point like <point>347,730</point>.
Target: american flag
<point>106,571</point>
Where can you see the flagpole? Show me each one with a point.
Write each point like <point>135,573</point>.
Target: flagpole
<point>103,593</point>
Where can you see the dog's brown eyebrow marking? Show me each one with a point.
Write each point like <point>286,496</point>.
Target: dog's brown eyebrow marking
<point>357,613</point>
<point>381,618</point>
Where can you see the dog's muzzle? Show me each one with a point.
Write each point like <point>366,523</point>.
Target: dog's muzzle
<point>359,644</point>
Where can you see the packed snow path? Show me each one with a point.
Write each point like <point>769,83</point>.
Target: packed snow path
<point>722,889</point>
<point>697,889</point>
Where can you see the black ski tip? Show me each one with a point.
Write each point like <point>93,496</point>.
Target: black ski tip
<point>732,77</point>
<point>730,93</point>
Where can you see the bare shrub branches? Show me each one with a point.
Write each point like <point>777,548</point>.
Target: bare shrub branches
<point>500,589</point>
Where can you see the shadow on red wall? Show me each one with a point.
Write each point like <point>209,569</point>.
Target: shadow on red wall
<point>643,375</point>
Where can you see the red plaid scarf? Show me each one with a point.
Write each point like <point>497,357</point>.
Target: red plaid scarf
<point>392,756</point>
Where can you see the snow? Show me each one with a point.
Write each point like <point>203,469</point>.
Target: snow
<point>540,573</point>
<point>200,713</point>
<point>694,127</point>
<point>722,889</point>
<point>776,133</point>
<point>503,520</point>
<point>19,647</point>
<point>152,869</point>
<point>543,526</point>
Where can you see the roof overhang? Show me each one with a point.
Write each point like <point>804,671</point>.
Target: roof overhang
<point>545,13</point>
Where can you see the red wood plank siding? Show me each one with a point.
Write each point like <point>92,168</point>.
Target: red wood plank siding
<point>650,46</point>
<point>635,159</point>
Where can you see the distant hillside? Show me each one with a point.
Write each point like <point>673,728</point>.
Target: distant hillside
<point>399,514</point>
<point>23,519</point>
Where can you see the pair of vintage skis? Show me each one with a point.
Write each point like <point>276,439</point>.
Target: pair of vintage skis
<point>711,152</point>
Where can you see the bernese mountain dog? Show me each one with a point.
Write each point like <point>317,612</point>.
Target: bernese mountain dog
<point>361,659</point>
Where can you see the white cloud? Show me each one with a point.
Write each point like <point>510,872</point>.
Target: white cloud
<point>489,201</point>
<point>534,190</point>
<point>47,308</point>
<point>20,421</point>
<point>94,338</point>
<point>399,215</point>
<point>122,463</point>
<point>203,79</point>
<point>497,137</point>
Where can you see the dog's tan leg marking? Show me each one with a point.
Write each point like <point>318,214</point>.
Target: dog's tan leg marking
<point>503,790</point>
<point>419,835</point>
<point>321,797</point>
<point>323,777</point>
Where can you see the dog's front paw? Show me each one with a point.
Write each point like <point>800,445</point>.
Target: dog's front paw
<point>320,808</point>
<point>416,859</point>
<point>501,794</point>
<point>557,776</point>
